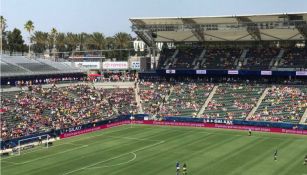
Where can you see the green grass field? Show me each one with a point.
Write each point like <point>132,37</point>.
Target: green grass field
<point>154,150</point>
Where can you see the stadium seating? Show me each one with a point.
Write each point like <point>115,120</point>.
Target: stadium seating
<point>233,101</point>
<point>260,59</point>
<point>232,58</point>
<point>19,65</point>
<point>43,109</point>
<point>294,58</point>
<point>282,104</point>
<point>186,99</point>
<point>185,58</point>
<point>221,58</point>
<point>152,95</point>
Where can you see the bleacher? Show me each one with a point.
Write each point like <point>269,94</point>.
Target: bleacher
<point>152,95</point>
<point>7,68</point>
<point>19,65</point>
<point>186,99</point>
<point>233,101</point>
<point>216,58</point>
<point>231,58</point>
<point>282,104</point>
<point>260,59</point>
<point>185,58</point>
<point>42,109</point>
<point>294,58</point>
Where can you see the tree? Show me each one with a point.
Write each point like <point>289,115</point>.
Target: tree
<point>29,26</point>
<point>110,44</point>
<point>3,44</point>
<point>53,36</point>
<point>123,41</point>
<point>15,41</point>
<point>60,42</point>
<point>96,41</point>
<point>72,41</point>
<point>2,24</point>
<point>82,38</point>
<point>41,41</point>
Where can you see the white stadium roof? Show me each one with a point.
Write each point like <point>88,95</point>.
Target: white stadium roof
<point>271,27</point>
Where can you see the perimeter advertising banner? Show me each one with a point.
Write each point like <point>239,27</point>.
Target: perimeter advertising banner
<point>87,65</point>
<point>115,65</point>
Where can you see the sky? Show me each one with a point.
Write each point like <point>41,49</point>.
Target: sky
<point>112,16</point>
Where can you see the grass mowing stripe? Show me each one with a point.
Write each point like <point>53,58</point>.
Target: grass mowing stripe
<point>91,165</point>
<point>228,157</point>
<point>148,162</point>
<point>264,152</point>
<point>205,152</point>
<point>43,157</point>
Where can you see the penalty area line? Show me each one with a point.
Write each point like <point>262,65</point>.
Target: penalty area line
<point>123,163</point>
<point>112,158</point>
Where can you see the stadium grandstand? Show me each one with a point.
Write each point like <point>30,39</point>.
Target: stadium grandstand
<point>245,72</point>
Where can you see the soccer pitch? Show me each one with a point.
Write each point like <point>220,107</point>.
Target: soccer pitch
<point>154,150</point>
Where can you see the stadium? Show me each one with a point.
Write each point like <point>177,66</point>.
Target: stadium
<point>217,95</point>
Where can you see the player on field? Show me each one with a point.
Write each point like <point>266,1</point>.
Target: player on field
<point>184,168</point>
<point>250,132</point>
<point>177,168</point>
<point>40,141</point>
<point>305,161</point>
<point>276,155</point>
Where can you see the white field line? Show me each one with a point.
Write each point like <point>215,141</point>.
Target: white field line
<point>132,138</point>
<point>123,163</point>
<point>31,151</point>
<point>80,146</point>
<point>42,157</point>
<point>197,130</point>
<point>112,158</point>
<point>67,143</point>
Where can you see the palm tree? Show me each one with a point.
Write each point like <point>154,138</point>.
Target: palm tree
<point>41,41</point>
<point>72,41</point>
<point>2,29</point>
<point>96,41</point>
<point>29,27</point>
<point>2,24</point>
<point>82,38</point>
<point>53,36</point>
<point>122,41</point>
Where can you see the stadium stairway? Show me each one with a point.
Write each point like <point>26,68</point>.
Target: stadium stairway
<point>196,66</point>
<point>170,59</point>
<point>279,57</point>
<point>167,97</point>
<point>265,92</point>
<point>202,109</point>
<point>138,99</point>
<point>276,60</point>
<point>242,58</point>
<point>303,120</point>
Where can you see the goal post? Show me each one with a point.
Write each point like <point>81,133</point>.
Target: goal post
<point>31,142</point>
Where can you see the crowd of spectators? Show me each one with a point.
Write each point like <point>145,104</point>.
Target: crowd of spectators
<point>186,99</point>
<point>232,101</point>
<point>263,58</point>
<point>294,58</point>
<point>185,58</point>
<point>152,95</point>
<point>42,109</point>
<point>260,58</point>
<point>282,104</point>
<point>216,58</point>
